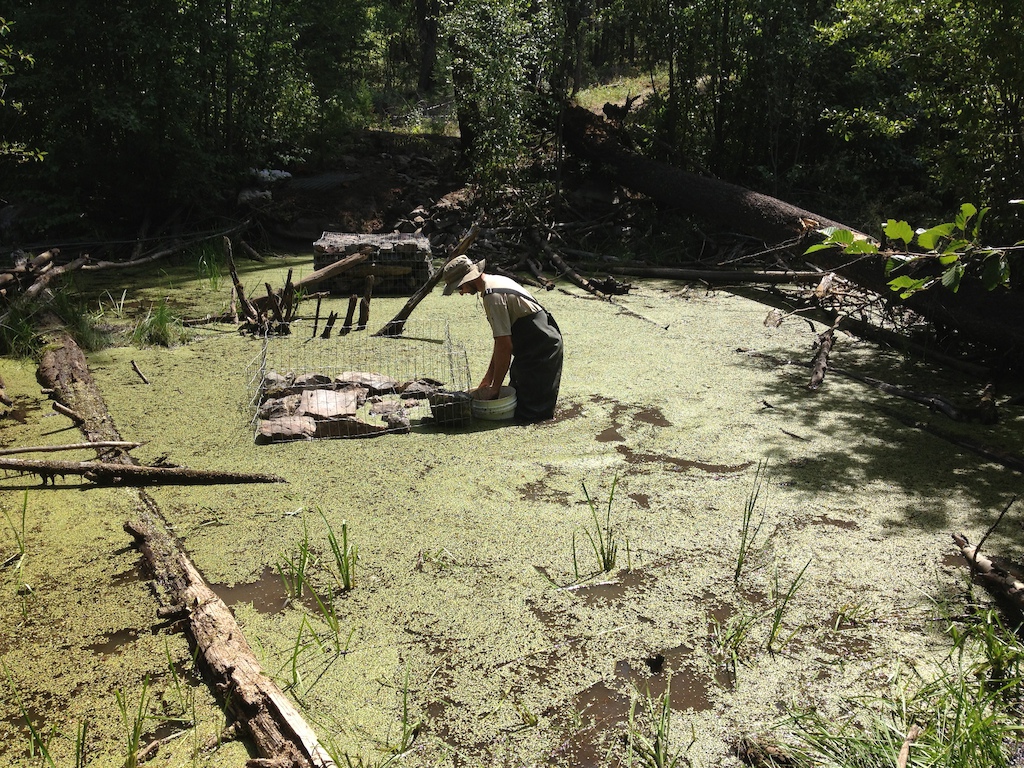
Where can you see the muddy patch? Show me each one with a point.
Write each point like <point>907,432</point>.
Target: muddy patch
<point>638,459</point>
<point>267,594</point>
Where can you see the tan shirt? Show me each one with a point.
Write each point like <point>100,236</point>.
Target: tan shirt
<point>503,309</point>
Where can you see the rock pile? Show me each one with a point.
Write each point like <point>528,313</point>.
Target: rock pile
<point>312,406</point>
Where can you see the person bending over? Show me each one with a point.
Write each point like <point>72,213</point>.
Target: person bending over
<point>527,341</point>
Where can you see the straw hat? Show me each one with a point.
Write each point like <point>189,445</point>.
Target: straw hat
<point>459,271</point>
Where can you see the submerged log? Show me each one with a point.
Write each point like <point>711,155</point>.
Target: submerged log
<point>277,729</point>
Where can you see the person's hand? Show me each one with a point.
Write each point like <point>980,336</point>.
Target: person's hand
<point>486,392</point>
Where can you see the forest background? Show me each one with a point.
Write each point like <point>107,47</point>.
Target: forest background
<point>115,112</point>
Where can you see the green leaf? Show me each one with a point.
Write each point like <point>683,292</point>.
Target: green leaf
<point>948,258</point>
<point>955,247</point>
<point>862,246</point>
<point>928,238</point>
<point>967,210</point>
<point>898,230</point>
<point>907,285</point>
<point>996,272</point>
<point>951,277</point>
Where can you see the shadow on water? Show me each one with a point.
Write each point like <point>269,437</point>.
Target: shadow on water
<point>878,447</point>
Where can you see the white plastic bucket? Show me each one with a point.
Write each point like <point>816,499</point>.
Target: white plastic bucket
<point>503,407</point>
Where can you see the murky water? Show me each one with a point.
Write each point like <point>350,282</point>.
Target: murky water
<point>480,620</point>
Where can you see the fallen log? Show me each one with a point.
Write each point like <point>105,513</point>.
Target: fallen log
<point>1008,460</point>
<point>993,320</point>
<point>278,731</point>
<point>107,473</point>
<point>714,276</point>
<point>396,325</point>
<point>999,580</point>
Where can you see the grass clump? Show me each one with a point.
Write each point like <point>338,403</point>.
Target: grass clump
<point>602,537</point>
<point>967,716</point>
<point>651,747</point>
<point>160,327</point>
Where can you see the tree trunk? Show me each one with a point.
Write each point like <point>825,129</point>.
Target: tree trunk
<point>990,319</point>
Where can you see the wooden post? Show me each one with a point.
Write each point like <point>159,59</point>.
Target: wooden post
<point>364,305</point>
<point>352,301</point>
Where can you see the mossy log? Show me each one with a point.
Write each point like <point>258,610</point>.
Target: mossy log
<point>278,731</point>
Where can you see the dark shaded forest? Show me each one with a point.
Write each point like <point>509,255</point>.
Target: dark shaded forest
<point>138,121</point>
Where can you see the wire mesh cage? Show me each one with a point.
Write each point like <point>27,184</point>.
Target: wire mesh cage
<point>358,384</point>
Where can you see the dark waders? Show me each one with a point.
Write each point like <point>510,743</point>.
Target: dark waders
<point>536,370</point>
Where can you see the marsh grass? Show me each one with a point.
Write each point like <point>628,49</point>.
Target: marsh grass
<point>17,560</point>
<point>160,327</point>
<point>209,265</point>
<point>134,719</point>
<point>782,600</point>
<point>81,744</point>
<point>967,716</point>
<point>292,568</point>
<point>602,537</point>
<point>729,637</point>
<point>749,530</point>
<point>345,555</point>
<point>410,726</point>
<point>113,305</point>
<point>651,746</point>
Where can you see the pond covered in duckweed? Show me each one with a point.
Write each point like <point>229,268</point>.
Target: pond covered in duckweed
<point>481,629</point>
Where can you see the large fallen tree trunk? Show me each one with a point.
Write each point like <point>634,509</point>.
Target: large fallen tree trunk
<point>281,736</point>
<point>252,698</point>
<point>992,319</point>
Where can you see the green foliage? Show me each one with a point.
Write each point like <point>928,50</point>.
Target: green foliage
<point>9,58</point>
<point>944,253</point>
<point>651,747</point>
<point>966,717</point>
<point>602,538</point>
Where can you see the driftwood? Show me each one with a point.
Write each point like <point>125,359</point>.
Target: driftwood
<point>107,473</point>
<point>99,446</point>
<point>396,325</point>
<point>279,732</point>
<point>135,367</point>
<point>998,579</point>
<point>820,362</point>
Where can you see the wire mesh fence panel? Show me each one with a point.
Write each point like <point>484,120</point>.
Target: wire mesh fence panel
<point>357,384</point>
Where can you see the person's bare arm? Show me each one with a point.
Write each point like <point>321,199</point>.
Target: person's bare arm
<point>501,360</point>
